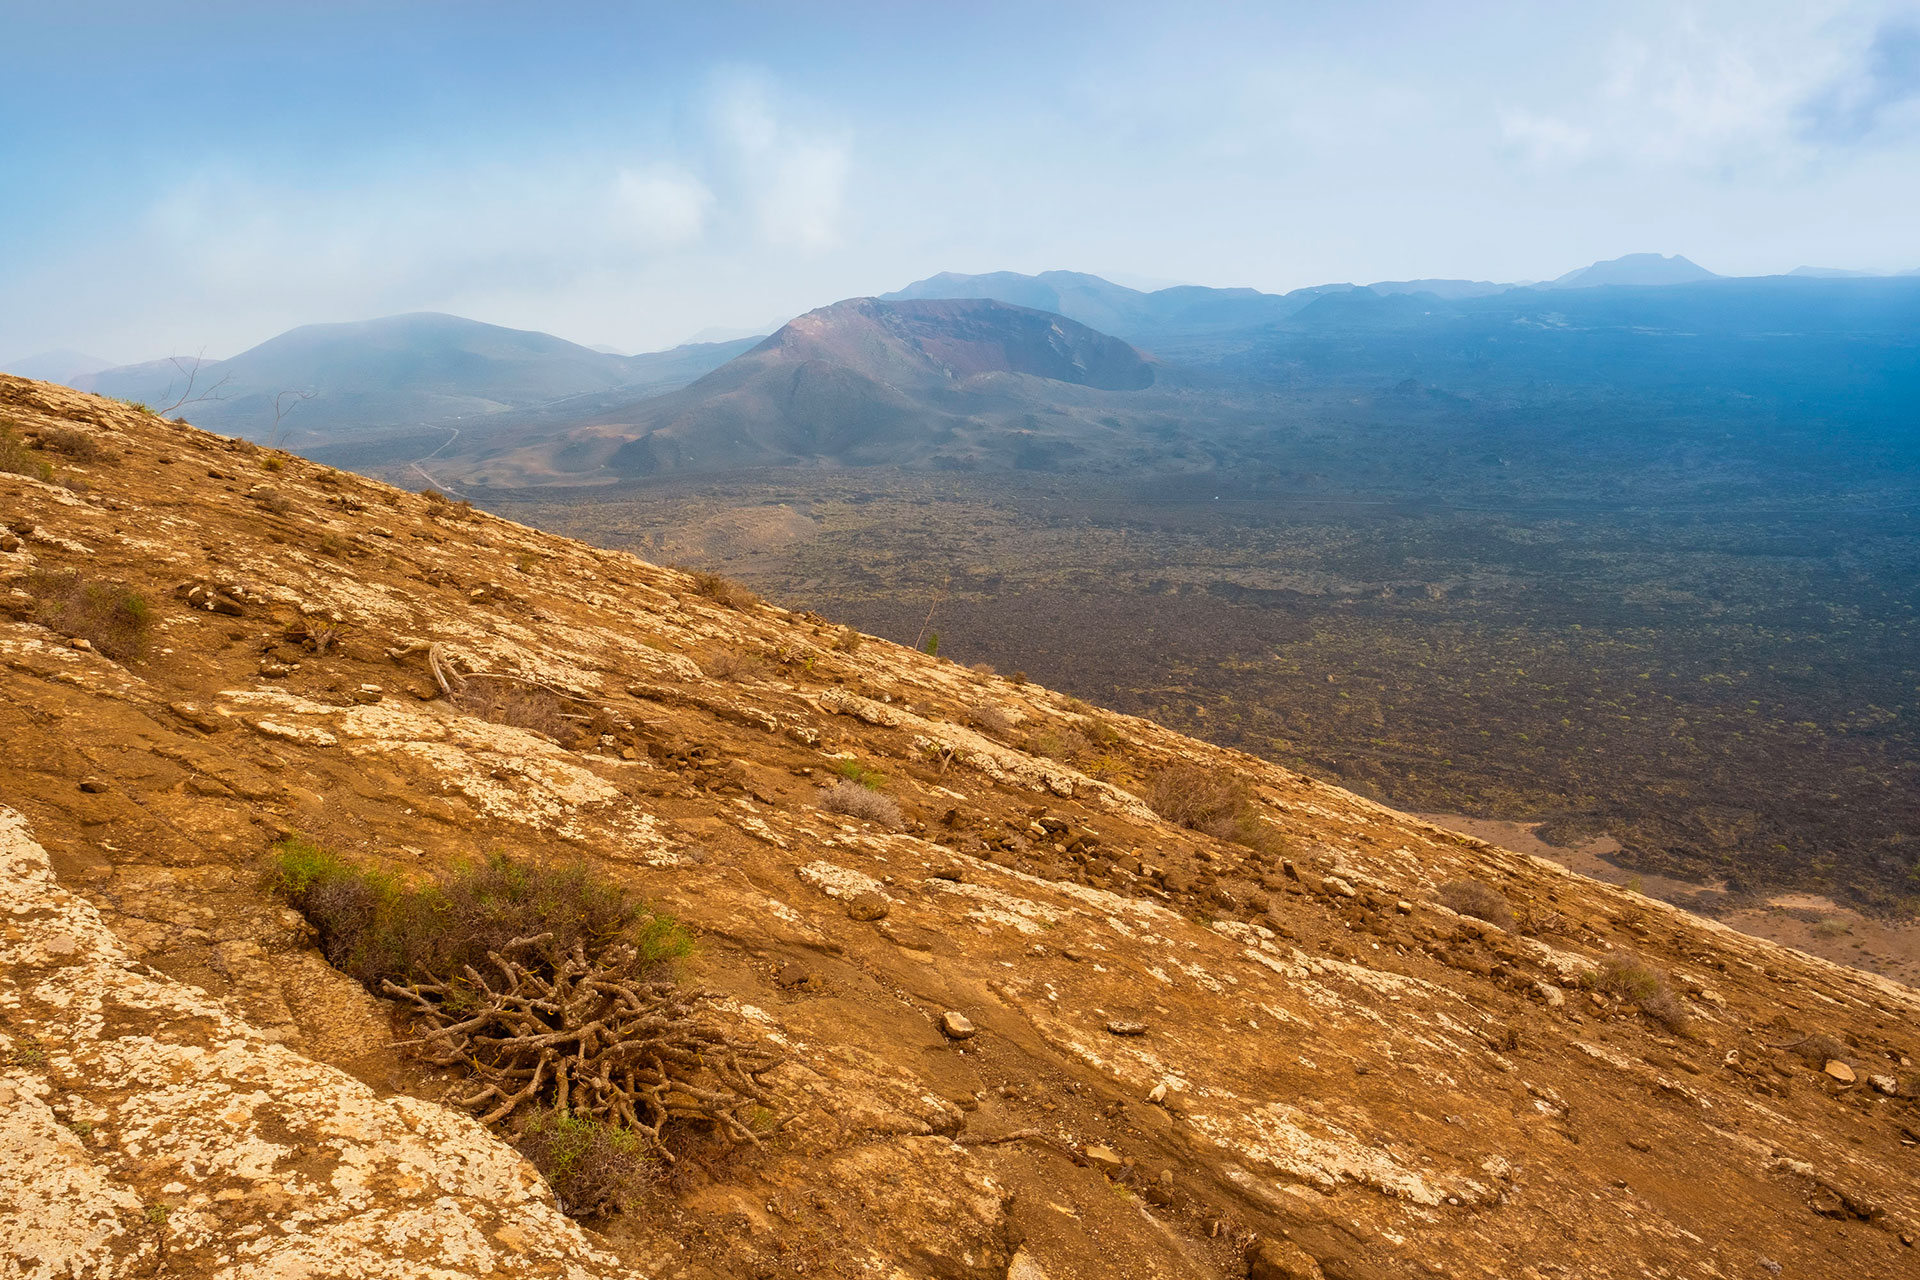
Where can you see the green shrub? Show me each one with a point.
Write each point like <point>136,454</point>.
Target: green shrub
<point>376,929</point>
<point>594,1167</point>
<point>112,619</point>
<point>854,771</point>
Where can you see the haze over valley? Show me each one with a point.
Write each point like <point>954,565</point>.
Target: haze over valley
<point>987,642</point>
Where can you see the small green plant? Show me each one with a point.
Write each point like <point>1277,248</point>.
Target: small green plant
<point>112,619</point>
<point>139,406</point>
<point>156,1214</point>
<point>273,462</point>
<point>594,1167</point>
<point>82,1129</point>
<point>17,458</point>
<point>854,771</point>
<point>933,645</point>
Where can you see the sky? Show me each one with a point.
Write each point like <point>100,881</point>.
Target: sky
<point>196,177</point>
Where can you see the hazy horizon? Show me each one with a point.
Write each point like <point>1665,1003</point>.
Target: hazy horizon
<point>203,176</point>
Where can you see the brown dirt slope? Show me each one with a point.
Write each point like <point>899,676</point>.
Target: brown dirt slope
<point>1193,1056</point>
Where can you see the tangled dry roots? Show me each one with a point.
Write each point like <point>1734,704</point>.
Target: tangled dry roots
<point>585,1035</point>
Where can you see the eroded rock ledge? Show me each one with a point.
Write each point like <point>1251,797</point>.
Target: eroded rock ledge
<point>145,1130</point>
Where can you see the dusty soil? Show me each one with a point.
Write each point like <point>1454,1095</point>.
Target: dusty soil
<point>1187,1049</point>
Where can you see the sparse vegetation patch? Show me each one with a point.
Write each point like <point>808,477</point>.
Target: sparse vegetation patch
<point>1481,901</point>
<point>1214,802</point>
<point>723,590</point>
<point>18,458</point>
<point>856,801</point>
<point>551,993</point>
<point>111,618</point>
<point>1627,977</point>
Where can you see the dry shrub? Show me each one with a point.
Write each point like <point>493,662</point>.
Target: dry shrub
<point>990,719</point>
<point>552,992</point>
<point>114,620</point>
<point>78,445</point>
<point>317,634</point>
<point>723,590</point>
<point>1211,801</point>
<point>516,704</point>
<point>1818,1049</point>
<point>847,640</point>
<point>1481,901</point>
<point>1067,745</point>
<point>856,801</point>
<point>17,458</point>
<point>1630,978</point>
<point>729,664</point>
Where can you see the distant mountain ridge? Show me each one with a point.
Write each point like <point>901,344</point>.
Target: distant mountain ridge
<point>954,382</point>
<point>398,371</point>
<point>60,365</point>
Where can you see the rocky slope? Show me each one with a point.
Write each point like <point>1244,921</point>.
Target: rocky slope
<point>1179,1056</point>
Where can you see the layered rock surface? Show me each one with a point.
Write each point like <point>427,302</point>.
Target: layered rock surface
<point>1181,1056</point>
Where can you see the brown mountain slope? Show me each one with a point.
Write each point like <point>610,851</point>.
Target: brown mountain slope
<point>947,382</point>
<point>1277,1056</point>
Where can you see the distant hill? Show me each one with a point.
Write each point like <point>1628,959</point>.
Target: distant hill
<point>398,371</point>
<point>953,382</point>
<point>62,365</point>
<point>1635,269</point>
<point>1181,320</point>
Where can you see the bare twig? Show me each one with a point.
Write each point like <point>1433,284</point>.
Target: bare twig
<point>279,412</point>
<point>928,621</point>
<point>192,371</point>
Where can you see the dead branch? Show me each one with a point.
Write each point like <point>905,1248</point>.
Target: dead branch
<point>192,372</point>
<point>588,1036</point>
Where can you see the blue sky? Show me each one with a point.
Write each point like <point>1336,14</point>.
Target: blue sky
<point>188,176</point>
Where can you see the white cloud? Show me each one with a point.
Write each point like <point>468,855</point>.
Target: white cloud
<point>1544,139</point>
<point>661,207</point>
<point>802,203</point>
<point>792,179</point>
